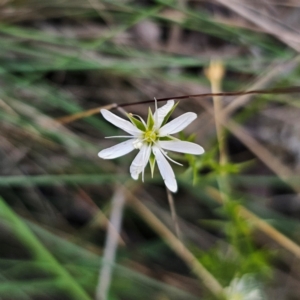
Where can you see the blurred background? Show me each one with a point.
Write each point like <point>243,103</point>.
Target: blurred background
<point>238,204</point>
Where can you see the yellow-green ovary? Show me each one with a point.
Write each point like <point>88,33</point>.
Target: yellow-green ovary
<point>150,136</point>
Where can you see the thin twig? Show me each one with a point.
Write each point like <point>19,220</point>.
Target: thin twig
<point>84,114</point>
<point>287,90</point>
<point>88,113</point>
<point>273,72</point>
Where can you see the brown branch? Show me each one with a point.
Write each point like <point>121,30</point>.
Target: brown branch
<point>287,90</point>
<point>88,113</point>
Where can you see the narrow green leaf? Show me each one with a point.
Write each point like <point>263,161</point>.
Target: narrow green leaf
<point>139,124</point>
<point>68,179</point>
<point>150,120</point>
<point>41,253</point>
<point>167,138</point>
<point>169,114</point>
<point>152,163</point>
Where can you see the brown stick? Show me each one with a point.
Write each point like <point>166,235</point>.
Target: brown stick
<point>88,113</point>
<point>287,90</point>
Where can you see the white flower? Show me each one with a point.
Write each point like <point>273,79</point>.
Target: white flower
<point>244,288</point>
<point>152,138</point>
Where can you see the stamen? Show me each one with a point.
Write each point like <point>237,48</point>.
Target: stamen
<point>150,136</point>
<point>141,119</point>
<point>120,136</point>
<point>165,155</point>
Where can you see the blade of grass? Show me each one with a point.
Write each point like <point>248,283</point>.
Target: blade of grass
<point>111,244</point>
<point>46,180</point>
<point>41,253</point>
<point>78,257</point>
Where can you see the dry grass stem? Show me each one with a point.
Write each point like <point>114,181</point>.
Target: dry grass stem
<point>291,39</point>
<point>99,220</point>
<point>111,244</point>
<point>176,245</point>
<point>270,160</point>
<point>215,73</point>
<point>84,114</point>
<point>276,166</point>
<point>260,224</point>
<point>273,72</point>
<point>265,155</point>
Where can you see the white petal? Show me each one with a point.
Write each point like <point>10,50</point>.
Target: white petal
<point>119,122</point>
<point>165,169</point>
<point>162,112</point>
<point>117,150</point>
<point>140,161</point>
<point>182,147</point>
<point>177,124</point>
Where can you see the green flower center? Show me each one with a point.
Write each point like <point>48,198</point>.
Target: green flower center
<point>150,136</point>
